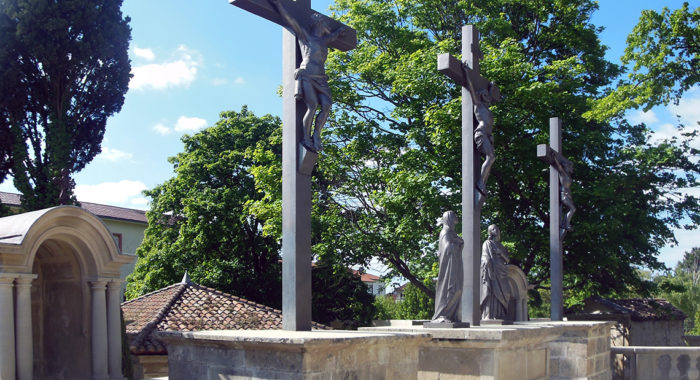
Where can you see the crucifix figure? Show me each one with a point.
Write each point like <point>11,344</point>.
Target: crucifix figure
<point>311,79</point>
<point>477,140</point>
<point>560,178</point>
<point>307,35</point>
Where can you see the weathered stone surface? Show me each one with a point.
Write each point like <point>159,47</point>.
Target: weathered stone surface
<point>523,351</point>
<point>266,354</point>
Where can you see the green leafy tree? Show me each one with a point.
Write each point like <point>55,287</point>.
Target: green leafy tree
<point>199,220</point>
<point>64,69</point>
<point>385,307</point>
<point>415,303</point>
<point>340,295</point>
<point>663,53</point>
<point>392,161</point>
<point>690,265</point>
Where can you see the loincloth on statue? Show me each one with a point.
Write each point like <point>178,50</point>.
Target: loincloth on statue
<point>319,82</point>
<point>483,141</point>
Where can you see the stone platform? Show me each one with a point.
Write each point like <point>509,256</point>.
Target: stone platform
<point>277,354</point>
<point>400,351</point>
<point>522,351</point>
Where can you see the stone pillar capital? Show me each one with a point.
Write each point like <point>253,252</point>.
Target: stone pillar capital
<point>98,283</point>
<point>115,284</point>
<point>7,279</point>
<point>25,279</point>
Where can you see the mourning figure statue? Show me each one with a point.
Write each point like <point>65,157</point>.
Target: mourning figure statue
<point>450,276</point>
<point>312,81</point>
<point>495,293</point>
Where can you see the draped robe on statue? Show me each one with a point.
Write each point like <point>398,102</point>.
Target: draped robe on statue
<point>450,278</point>
<point>494,280</point>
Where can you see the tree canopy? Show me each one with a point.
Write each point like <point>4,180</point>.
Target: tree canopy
<point>64,69</point>
<point>392,160</point>
<point>663,52</point>
<point>199,220</point>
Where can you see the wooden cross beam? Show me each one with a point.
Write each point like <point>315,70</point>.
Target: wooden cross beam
<point>297,160</point>
<point>466,74</point>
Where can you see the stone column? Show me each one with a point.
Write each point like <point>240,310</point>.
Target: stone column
<point>114,329</point>
<point>99,330</point>
<point>23,327</point>
<point>7,327</point>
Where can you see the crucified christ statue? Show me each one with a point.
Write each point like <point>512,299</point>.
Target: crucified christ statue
<point>483,133</point>
<point>311,79</point>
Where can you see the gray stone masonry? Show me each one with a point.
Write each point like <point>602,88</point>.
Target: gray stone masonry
<point>276,354</point>
<point>523,351</point>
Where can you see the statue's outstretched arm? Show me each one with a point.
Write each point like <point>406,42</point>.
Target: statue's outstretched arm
<point>299,31</point>
<point>335,34</point>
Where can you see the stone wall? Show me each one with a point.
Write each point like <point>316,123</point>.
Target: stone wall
<point>581,352</point>
<point>524,351</point>
<point>275,354</point>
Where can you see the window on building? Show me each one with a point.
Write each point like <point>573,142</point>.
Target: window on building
<point>118,239</point>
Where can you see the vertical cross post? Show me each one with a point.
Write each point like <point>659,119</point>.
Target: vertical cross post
<point>555,246</point>
<point>466,74</point>
<point>552,155</point>
<point>297,161</point>
<point>296,200</point>
<point>471,212</point>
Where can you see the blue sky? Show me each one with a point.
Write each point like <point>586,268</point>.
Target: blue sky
<point>192,60</point>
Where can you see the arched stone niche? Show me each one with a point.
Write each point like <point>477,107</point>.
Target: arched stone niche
<point>59,296</point>
<point>517,305</point>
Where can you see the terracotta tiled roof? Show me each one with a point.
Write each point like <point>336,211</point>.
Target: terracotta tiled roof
<point>640,309</point>
<point>103,211</point>
<point>366,277</point>
<point>189,307</point>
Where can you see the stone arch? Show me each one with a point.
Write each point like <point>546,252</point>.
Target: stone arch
<point>60,267</point>
<point>518,292</point>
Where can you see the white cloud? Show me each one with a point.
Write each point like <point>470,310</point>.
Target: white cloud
<point>239,80</point>
<point>189,124</point>
<point>664,132</point>
<point>639,116</point>
<point>139,201</point>
<point>146,54</point>
<point>110,193</point>
<point>114,154</point>
<point>162,129</point>
<point>179,71</point>
<point>688,108</point>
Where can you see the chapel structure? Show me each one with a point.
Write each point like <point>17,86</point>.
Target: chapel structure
<point>60,296</point>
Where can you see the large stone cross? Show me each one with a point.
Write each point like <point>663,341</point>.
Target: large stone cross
<point>477,93</point>
<point>297,160</point>
<point>560,171</point>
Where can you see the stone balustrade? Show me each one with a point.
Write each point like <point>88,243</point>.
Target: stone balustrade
<point>657,363</point>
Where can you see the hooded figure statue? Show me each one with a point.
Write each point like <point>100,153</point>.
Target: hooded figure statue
<point>450,277</point>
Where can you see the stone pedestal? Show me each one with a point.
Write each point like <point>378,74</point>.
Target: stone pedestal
<point>277,354</point>
<point>523,351</point>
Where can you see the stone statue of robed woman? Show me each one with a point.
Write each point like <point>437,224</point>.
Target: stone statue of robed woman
<point>450,276</point>
<point>494,276</point>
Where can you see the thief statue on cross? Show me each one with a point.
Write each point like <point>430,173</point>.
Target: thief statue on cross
<point>311,79</point>
<point>483,133</point>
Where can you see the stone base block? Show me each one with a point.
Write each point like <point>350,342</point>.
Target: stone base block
<point>522,351</point>
<point>277,354</point>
